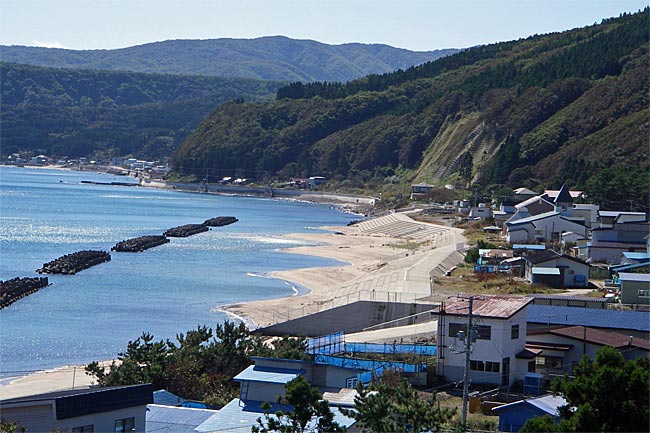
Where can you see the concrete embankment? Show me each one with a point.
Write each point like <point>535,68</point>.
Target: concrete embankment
<point>17,288</point>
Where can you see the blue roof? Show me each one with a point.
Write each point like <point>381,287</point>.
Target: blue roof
<point>637,256</point>
<point>162,396</point>
<point>238,417</point>
<point>175,419</point>
<point>591,317</point>
<point>255,373</point>
<point>548,404</point>
<point>528,247</point>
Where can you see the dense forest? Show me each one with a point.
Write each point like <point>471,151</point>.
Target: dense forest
<point>77,113</point>
<point>267,58</point>
<point>564,107</point>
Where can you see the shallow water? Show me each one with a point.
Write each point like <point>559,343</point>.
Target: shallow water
<point>165,290</point>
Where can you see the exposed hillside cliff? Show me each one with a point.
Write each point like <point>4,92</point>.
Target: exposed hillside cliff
<point>268,58</point>
<point>548,109</point>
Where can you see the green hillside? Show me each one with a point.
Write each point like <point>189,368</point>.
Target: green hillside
<point>537,112</point>
<point>81,113</point>
<point>268,58</point>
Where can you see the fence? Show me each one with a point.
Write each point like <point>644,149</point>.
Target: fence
<point>389,348</point>
<point>368,364</point>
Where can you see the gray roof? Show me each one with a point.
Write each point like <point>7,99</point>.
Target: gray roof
<point>626,276</point>
<point>592,317</point>
<point>530,219</point>
<point>255,373</point>
<point>239,416</point>
<point>548,404</point>
<point>162,396</point>
<point>162,418</point>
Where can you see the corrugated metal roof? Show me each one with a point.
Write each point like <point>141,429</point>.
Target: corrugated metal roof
<point>626,276</point>
<point>636,255</point>
<point>500,307</point>
<point>268,374</point>
<point>592,317</point>
<point>539,270</point>
<point>604,338</point>
<point>175,419</point>
<point>162,396</point>
<point>549,404</point>
<point>528,247</point>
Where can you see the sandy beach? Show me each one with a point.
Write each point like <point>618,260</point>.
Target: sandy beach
<point>377,263</point>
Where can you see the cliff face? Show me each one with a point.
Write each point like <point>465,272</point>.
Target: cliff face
<point>541,111</point>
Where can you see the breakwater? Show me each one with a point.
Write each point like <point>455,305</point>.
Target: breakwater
<point>70,264</point>
<point>16,288</point>
<point>139,244</point>
<point>220,221</point>
<point>186,230</point>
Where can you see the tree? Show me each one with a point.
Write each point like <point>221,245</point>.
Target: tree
<point>308,412</point>
<point>607,394</point>
<point>390,407</point>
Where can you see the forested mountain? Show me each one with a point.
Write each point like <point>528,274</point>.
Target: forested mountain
<point>81,113</point>
<point>565,107</point>
<point>267,58</point>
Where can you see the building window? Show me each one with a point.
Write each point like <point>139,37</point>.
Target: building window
<point>483,332</point>
<point>124,425</point>
<point>549,361</point>
<point>351,382</point>
<point>489,366</point>
<point>644,294</point>
<point>84,429</point>
<point>514,332</point>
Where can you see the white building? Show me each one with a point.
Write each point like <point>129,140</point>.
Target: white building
<point>500,325</point>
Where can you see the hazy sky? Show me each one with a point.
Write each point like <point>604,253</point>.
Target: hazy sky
<point>413,24</point>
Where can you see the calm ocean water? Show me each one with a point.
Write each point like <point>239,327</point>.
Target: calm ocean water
<point>165,290</point>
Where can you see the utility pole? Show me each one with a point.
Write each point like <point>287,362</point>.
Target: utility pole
<point>468,343</point>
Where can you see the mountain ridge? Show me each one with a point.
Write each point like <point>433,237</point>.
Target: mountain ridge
<point>265,58</point>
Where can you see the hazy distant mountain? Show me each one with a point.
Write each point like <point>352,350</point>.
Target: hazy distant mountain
<point>267,58</point>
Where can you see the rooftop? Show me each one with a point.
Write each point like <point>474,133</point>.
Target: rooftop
<point>533,218</point>
<point>255,373</point>
<point>591,317</point>
<point>548,403</point>
<point>499,307</point>
<point>626,276</point>
<point>161,418</point>
<point>603,338</point>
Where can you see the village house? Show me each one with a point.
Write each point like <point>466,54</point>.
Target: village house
<point>556,270</point>
<point>421,191</point>
<point>499,324</point>
<point>610,241</point>
<point>117,409</point>
<point>513,416</point>
<point>635,288</point>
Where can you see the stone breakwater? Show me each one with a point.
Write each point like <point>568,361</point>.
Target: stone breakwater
<point>139,244</point>
<point>186,230</point>
<point>70,264</point>
<point>220,221</point>
<point>16,288</point>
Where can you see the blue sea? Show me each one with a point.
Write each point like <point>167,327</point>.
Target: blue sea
<point>165,290</point>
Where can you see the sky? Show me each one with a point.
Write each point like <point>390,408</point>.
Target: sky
<point>418,25</point>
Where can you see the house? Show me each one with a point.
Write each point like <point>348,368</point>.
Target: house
<point>314,181</point>
<point>544,227</point>
<point>481,211</point>
<point>265,381</point>
<point>521,194</point>
<point>421,191</point>
<point>609,242</point>
<point>559,349</point>
<point>587,212</point>
<point>499,324</point>
<point>535,205</point>
<point>635,288</point>
<point>513,416</point>
<point>116,409</point>
<point>609,218</point>
<point>556,270</point>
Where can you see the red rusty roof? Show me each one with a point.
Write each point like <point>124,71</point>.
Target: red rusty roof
<point>604,338</point>
<point>499,307</point>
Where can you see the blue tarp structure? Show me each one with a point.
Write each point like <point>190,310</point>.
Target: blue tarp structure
<point>368,364</point>
<point>417,349</point>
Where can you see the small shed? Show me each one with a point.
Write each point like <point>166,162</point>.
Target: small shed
<point>513,416</point>
<point>635,288</point>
